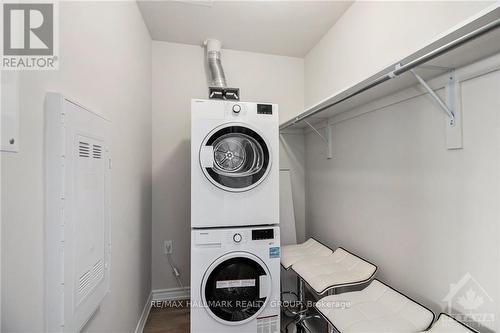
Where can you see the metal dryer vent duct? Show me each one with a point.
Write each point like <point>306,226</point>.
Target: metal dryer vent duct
<point>217,77</point>
<point>217,86</point>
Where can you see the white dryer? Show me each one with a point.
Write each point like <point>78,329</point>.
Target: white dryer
<point>235,280</point>
<point>234,164</point>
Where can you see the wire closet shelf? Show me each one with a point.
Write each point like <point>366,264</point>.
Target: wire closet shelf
<point>477,39</point>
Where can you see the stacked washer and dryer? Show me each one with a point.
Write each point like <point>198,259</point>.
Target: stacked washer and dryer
<point>235,239</point>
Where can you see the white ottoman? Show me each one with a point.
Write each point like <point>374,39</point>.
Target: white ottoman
<point>340,269</point>
<point>377,308</point>
<point>447,324</point>
<point>291,254</point>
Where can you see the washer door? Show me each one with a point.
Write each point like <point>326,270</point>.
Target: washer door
<point>236,288</point>
<point>235,157</point>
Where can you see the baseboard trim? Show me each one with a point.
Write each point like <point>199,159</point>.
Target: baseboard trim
<point>171,294</point>
<point>145,314</point>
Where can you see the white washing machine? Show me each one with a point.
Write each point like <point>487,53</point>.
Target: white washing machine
<point>235,280</point>
<point>234,164</point>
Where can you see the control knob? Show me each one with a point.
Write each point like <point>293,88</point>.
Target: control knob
<point>237,238</point>
<point>236,108</point>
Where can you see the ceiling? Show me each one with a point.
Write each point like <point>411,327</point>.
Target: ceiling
<point>288,28</point>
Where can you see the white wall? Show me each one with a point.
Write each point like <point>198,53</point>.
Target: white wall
<point>178,76</point>
<point>374,34</point>
<point>393,194</point>
<point>292,156</point>
<point>105,64</point>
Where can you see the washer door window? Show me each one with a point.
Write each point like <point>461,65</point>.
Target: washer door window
<point>236,288</point>
<point>235,158</point>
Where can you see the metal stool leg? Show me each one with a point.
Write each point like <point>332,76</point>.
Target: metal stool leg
<point>301,312</point>
<point>296,303</point>
<point>330,326</point>
<point>303,306</point>
<point>300,292</point>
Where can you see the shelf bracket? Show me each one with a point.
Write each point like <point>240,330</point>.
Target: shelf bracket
<point>452,106</point>
<point>454,132</point>
<point>327,140</point>
<point>447,109</point>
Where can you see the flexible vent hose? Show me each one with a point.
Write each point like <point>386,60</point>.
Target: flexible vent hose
<point>217,77</point>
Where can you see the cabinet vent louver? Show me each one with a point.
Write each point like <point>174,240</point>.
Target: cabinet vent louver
<point>90,279</point>
<point>84,282</point>
<point>98,270</point>
<point>97,151</point>
<point>83,149</point>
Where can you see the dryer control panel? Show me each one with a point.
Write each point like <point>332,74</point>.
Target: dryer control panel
<point>264,109</point>
<point>244,111</point>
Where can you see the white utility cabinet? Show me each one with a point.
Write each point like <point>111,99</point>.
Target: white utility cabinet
<point>77,218</point>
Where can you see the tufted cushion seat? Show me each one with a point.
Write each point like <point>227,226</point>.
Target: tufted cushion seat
<point>291,254</point>
<point>341,268</point>
<point>377,308</point>
<point>446,324</point>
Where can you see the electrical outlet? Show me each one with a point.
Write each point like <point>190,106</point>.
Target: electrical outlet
<point>167,246</point>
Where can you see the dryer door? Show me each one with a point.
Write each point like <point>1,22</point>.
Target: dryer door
<point>235,157</point>
<point>236,288</point>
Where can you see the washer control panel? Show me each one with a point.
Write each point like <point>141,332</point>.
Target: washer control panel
<point>261,234</point>
<point>217,238</point>
<point>243,236</point>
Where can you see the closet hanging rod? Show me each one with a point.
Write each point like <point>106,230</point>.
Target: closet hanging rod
<point>448,47</point>
<point>401,68</point>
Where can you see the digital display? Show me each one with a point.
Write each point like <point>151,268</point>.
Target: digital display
<point>262,234</point>
<point>264,109</point>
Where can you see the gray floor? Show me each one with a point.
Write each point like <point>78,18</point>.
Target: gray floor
<point>167,319</point>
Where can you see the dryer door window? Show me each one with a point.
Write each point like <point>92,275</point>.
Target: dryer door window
<point>236,288</point>
<point>235,158</point>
